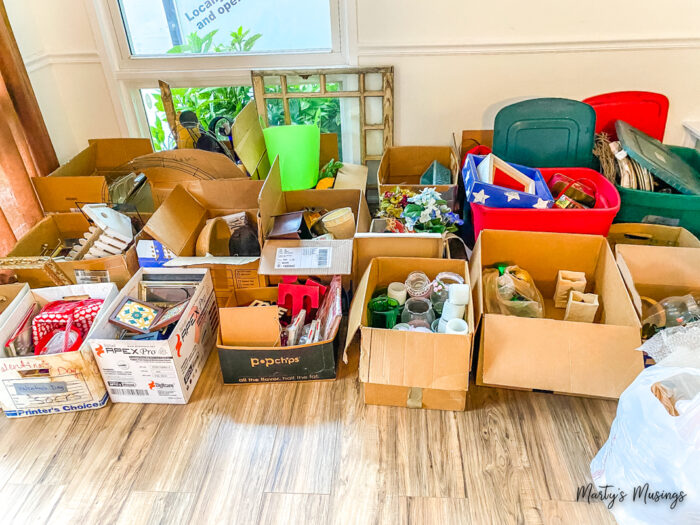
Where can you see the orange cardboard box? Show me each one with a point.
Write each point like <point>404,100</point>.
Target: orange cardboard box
<point>590,359</point>
<point>39,271</point>
<point>273,201</point>
<point>651,235</point>
<point>410,369</point>
<point>180,219</point>
<point>85,178</point>
<point>403,166</point>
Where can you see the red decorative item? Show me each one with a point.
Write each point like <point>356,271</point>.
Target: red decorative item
<point>56,315</point>
<point>322,289</point>
<point>295,297</point>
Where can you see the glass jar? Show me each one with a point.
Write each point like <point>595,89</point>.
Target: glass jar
<point>383,312</point>
<point>440,287</point>
<point>418,285</point>
<point>418,312</point>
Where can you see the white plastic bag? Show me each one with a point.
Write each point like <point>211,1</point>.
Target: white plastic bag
<point>651,456</point>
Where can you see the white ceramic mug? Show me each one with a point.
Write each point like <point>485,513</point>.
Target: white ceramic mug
<point>397,291</point>
<point>457,326</point>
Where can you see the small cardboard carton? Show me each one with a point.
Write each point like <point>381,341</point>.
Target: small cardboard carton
<point>249,345</point>
<point>50,384</point>
<point>410,369</point>
<point>30,267</point>
<point>651,235</point>
<point>86,177</point>
<point>403,166</point>
<point>549,354</point>
<point>656,272</point>
<point>162,371</point>
<point>306,257</point>
<point>180,219</point>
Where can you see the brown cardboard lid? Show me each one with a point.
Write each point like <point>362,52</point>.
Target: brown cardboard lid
<point>351,177</point>
<point>177,222</point>
<point>249,142</point>
<point>256,326</point>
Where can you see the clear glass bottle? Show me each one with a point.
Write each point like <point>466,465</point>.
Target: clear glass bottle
<point>418,285</point>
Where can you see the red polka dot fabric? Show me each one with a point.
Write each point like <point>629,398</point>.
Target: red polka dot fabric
<point>56,315</point>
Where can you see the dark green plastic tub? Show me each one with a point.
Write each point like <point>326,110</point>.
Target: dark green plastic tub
<point>663,208</point>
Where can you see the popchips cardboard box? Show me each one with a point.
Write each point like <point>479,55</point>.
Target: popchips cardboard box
<point>306,257</point>
<point>250,352</point>
<point>589,359</point>
<point>86,177</point>
<point>180,219</point>
<point>164,371</point>
<point>403,166</point>
<point>410,369</point>
<point>24,259</point>
<point>50,384</point>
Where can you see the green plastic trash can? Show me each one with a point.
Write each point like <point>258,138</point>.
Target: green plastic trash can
<point>299,149</point>
<point>663,208</point>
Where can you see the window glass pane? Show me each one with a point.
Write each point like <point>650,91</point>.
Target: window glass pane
<point>206,102</point>
<point>157,27</point>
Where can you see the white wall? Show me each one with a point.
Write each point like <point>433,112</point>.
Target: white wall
<point>60,53</point>
<point>456,62</point>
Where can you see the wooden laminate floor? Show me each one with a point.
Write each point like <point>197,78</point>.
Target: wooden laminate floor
<point>305,453</point>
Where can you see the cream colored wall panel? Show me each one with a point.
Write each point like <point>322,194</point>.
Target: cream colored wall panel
<point>449,22</point>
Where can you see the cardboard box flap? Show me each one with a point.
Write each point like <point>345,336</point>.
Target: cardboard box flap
<point>250,326</point>
<point>249,142</point>
<point>657,270</point>
<point>351,177</point>
<point>306,257</point>
<point>116,152</point>
<point>651,235</point>
<point>66,193</point>
<point>569,359</point>
<point>10,296</point>
<point>177,222</point>
<point>415,359</point>
<point>371,245</point>
<point>356,312</point>
<point>226,194</point>
<point>167,167</point>
<point>271,200</point>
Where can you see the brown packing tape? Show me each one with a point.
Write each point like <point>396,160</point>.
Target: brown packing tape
<point>415,398</point>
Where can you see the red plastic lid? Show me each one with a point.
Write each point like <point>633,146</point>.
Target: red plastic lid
<point>643,110</point>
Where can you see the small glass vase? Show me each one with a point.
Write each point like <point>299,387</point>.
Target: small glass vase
<point>418,285</point>
<point>418,312</point>
<point>383,312</point>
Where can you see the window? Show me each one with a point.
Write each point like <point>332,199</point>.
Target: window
<point>159,27</point>
<point>206,49</point>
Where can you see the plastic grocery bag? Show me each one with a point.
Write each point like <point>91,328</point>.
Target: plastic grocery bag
<point>513,293</point>
<point>651,460</point>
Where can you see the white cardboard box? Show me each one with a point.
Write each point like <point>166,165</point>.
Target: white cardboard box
<point>163,371</point>
<point>51,384</point>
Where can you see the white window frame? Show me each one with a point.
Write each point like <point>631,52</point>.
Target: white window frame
<point>127,74</point>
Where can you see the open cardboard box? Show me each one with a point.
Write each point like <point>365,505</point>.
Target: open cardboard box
<point>178,222</point>
<point>589,359</point>
<point>163,371</point>
<point>403,166</point>
<point>410,369</point>
<point>249,345</point>
<point>85,178</point>
<point>658,272</point>
<point>651,235</point>
<point>50,384</point>
<point>39,271</point>
<point>338,252</point>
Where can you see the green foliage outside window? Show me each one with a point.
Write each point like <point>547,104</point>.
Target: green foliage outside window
<point>209,102</point>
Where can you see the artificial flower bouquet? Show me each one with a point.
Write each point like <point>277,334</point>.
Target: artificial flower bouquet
<point>424,212</point>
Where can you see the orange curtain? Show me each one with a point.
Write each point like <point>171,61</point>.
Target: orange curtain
<point>25,147</point>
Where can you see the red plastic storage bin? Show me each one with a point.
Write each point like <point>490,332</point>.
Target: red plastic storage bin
<point>594,221</point>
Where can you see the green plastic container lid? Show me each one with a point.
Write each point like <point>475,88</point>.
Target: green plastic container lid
<point>658,159</point>
<point>545,133</point>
